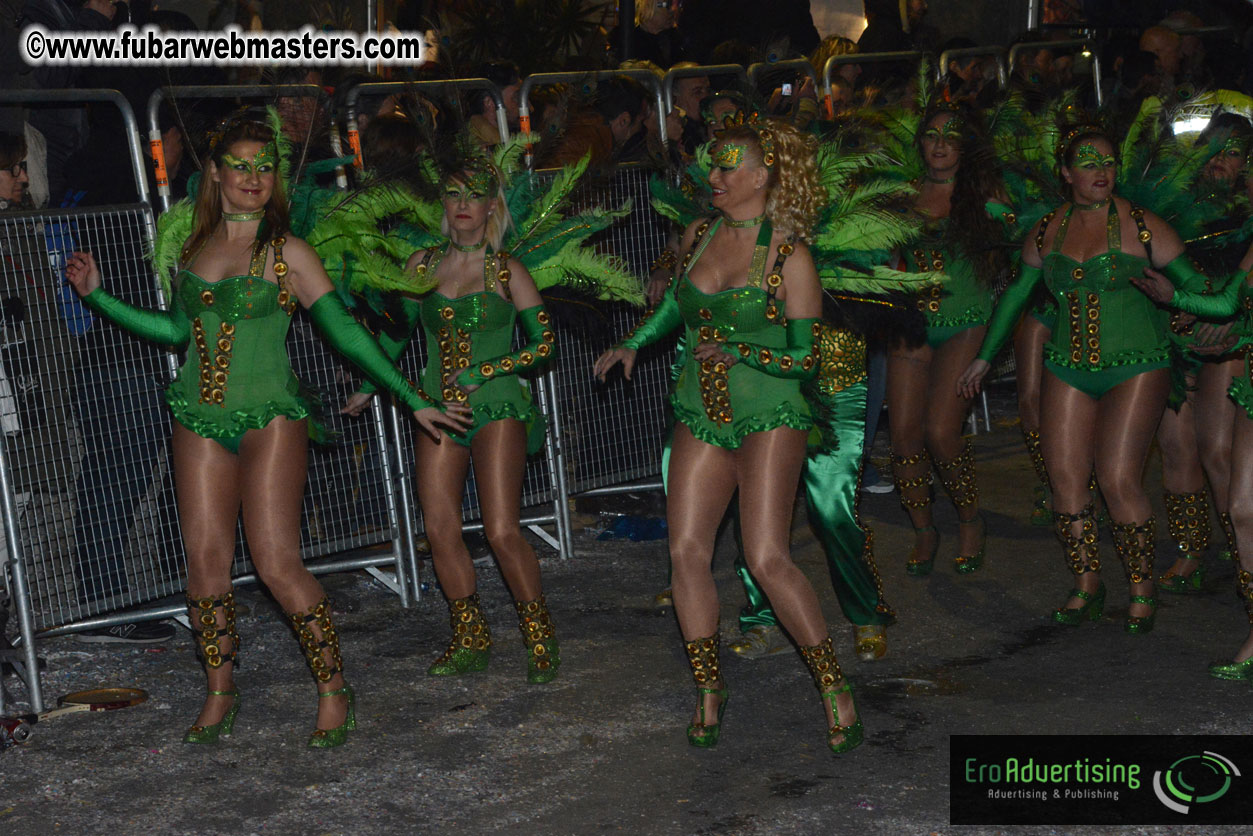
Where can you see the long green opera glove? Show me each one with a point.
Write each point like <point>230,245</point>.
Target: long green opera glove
<point>1211,306</point>
<point>540,346</point>
<point>1010,307</point>
<point>164,327</point>
<point>798,360</point>
<point>393,347</point>
<point>660,320</point>
<point>831,480</point>
<point>351,339</point>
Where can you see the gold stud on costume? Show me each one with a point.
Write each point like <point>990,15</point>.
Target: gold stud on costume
<point>958,477</point>
<point>1187,519</point>
<point>912,476</point>
<point>1081,552</point>
<point>1134,544</point>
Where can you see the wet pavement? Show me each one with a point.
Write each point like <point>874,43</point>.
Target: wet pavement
<point>602,749</point>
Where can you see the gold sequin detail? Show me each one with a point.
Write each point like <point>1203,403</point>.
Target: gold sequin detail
<point>214,368</point>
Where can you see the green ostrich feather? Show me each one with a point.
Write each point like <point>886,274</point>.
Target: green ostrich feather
<point>687,200</point>
<point>173,229</point>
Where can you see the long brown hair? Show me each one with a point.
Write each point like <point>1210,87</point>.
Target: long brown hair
<point>207,212</point>
<point>978,181</point>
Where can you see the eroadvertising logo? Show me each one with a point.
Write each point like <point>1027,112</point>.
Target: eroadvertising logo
<point>1099,779</point>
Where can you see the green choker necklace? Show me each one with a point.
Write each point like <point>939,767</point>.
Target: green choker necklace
<point>941,180</point>
<point>1083,207</point>
<point>244,216</point>
<point>467,249</point>
<point>744,224</point>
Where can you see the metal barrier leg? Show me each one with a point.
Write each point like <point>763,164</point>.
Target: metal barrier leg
<point>403,500</point>
<point>554,448</point>
<point>402,546</point>
<point>28,666</point>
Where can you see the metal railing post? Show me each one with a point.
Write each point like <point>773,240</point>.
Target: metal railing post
<point>859,58</point>
<point>667,83</point>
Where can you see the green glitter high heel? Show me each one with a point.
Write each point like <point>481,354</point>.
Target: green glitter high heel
<point>470,648</point>
<point>967,563</point>
<point>820,659</point>
<point>222,728</point>
<point>330,738</point>
<point>1182,584</point>
<point>1239,670</point>
<point>1093,607</point>
<point>919,568</point>
<point>702,655</point>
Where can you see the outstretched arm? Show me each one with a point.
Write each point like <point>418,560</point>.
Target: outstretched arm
<point>165,327</point>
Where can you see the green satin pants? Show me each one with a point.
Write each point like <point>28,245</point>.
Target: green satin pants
<point>832,478</point>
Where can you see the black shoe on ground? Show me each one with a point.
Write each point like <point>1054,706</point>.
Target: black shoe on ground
<point>142,632</point>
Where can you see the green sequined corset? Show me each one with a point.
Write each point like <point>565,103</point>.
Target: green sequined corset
<point>719,404</point>
<point>237,375</point>
<point>1103,320</point>
<point>466,331</point>
<point>961,300</point>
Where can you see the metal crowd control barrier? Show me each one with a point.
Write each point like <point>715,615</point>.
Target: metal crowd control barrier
<point>1081,45</point>
<point>587,81</point>
<point>209,91</point>
<point>390,87</point>
<point>997,52</point>
<point>834,61</point>
<point>667,83</point>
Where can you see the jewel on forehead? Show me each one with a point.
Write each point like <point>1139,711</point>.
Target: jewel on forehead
<point>729,156</point>
<point>1088,153</point>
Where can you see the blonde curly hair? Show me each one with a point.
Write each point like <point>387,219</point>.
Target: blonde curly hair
<point>794,191</point>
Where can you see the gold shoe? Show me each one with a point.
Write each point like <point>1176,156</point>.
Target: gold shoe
<point>759,641</point>
<point>664,598</point>
<point>870,641</point>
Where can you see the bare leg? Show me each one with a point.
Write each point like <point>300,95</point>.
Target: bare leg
<point>954,460</point>
<point>499,452</point>
<point>206,478</point>
<point>274,464</point>
<point>1187,507</point>
<point>908,372</point>
<point>441,480</point>
<point>1067,437</point>
<point>1029,340</point>
<point>1215,419</point>
<point>700,484</point>
<point>1242,517</point>
<point>1126,419</point>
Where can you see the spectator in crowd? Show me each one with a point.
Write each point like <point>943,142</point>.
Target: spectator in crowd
<point>620,101</point>
<point>687,94</point>
<point>654,38</point>
<point>482,107</point>
<point>390,144</point>
<point>1168,47</point>
<point>13,176</point>
<point>830,47</point>
<point>1191,47</point>
<point>965,78</point>
<point>64,129</point>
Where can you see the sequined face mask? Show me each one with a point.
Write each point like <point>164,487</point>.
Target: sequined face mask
<point>950,132</point>
<point>729,156</point>
<point>265,161</point>
<point>477,186</point>
<point>1236,147</point>
<point>1088,157</point>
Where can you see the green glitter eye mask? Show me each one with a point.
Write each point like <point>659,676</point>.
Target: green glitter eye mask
<point>1236,147</point>
<point>729,156</point>
<point>482,183</point>
<point>265,161</point>
<point>1088,156</point>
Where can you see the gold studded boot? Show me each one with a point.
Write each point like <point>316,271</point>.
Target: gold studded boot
<point>958,477</point>
<point>319,640</point>
<point>702,655</point>
<point>1079,543</point>
<point>822,664</point>
<point>470,647</point>
<point>544,656</point>
<point>1229,534</point>
<point>213,620</point>
<point>912,476</point>
<point>1135,547</point>
<point>1187,518</point>
<point>1041,511</point>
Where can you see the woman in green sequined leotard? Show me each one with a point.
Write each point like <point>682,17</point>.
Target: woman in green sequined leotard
<point>1106,376</point>
<point>468,321</point>
<point>927,413</point>
<point>1237,297</point>
<point>749,300</point>
<point>240,434</point>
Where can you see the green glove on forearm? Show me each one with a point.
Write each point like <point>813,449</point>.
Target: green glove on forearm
<point>165,327</point>
<point>540,346</point>
<point>798,360</point>
<point>1009,308</point>
<point>351,339</point>
<point>661,320</point>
